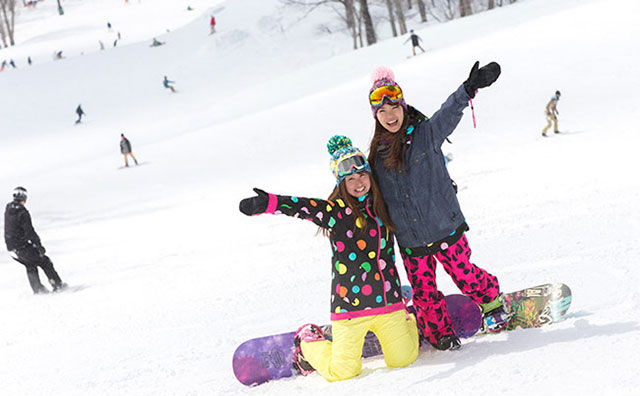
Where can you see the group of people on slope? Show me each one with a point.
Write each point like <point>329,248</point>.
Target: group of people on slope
<point>402,191</point>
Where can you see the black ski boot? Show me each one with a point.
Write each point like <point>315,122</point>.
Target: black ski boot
<point>448,343</point>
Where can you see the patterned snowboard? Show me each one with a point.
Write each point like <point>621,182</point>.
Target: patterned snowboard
<point>269,358</point>
<point>537,306</point>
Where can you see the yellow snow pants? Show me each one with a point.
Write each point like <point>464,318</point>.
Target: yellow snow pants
<point>341,358</point>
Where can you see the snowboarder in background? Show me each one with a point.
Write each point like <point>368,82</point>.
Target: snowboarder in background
<point>29,60</point>
<point>406,156</point>
<point>125,149</point>
<point>360,231</point>
<point>552,114</point>
<point>4,64</point>
<point>156,43</point>
<point>12,63</point>
<point>212,24</point>
<point>109,26</point>
<point>166,82</point>
<point>415,42</point>
<point>24,246</point>
<point>101,45</point>
<point>80,113</point>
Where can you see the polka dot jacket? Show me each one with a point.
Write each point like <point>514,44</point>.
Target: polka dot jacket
<point>364,277</point>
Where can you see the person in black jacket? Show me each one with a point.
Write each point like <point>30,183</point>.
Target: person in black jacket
<point>80,113</point>
<point>125,149</point>
<point>24,244</point>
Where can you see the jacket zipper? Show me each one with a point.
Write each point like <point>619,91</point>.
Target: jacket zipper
<point>384,282</point>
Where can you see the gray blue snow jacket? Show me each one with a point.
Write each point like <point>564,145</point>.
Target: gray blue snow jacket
<point>420,198</point>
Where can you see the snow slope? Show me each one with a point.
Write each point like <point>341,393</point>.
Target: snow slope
<point>171,277</point>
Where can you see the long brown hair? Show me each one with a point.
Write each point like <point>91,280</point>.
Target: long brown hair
<point>395,142</point>
<point>379,209</point>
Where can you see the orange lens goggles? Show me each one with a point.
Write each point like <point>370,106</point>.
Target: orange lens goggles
<point>391,92</point>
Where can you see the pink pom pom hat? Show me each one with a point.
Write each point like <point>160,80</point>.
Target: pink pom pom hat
<point>380,77</point>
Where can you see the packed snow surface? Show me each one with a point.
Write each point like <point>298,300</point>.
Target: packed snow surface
<point>168,277</point>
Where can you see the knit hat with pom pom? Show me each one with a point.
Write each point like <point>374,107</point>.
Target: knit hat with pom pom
<point>380,77</point>
<point>340,148</point>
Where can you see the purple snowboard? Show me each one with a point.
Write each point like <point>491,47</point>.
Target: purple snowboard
<point>269,358</point>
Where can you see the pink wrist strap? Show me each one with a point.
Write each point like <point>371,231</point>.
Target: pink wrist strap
<point>473,113</point>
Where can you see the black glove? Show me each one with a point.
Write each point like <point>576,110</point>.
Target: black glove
<point>255,205</point>
<point>482,77</point>
<point>41,250</point>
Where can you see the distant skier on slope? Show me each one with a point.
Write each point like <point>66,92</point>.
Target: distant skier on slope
<point>156,43</point>
<point>125,149</point>
<point>415,42</point>
<point>212,24</point>
<point>552,114</point>
<point>24,245</point>
<point>80,113</point>
<point>167,84</point>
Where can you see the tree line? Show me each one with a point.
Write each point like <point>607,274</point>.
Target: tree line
<point>361,18</point>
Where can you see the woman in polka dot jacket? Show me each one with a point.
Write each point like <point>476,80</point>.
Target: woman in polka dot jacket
<point>365,289</point>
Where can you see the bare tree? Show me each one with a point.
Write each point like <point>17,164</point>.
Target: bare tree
<point>422,9</point>
<point>491,4</point>
<point>350,12</point>
<point>465,8</point>
<point>448,9</point>
<point>392,19</point>
<point>400,14</point>
<point>8,14</point>
<point>368,22</point>
<point>3,34</point>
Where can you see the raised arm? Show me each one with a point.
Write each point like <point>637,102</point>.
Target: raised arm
<point>446,119</point>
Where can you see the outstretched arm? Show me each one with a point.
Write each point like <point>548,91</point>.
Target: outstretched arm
<point>319,211</point>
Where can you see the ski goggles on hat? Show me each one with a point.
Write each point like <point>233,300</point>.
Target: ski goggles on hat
<point>391,92</point>
<point>349,165</point>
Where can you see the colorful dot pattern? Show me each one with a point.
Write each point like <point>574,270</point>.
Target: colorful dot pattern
<point>364,274</point>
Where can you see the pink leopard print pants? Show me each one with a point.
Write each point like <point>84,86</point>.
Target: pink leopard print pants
<point>431,308</point>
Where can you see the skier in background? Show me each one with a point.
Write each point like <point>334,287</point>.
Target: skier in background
<point>552,114</point>
<point>166,82</point>
<point>360,231</point>
<point>156,43</point>
<point>24,245</point>
<point>212,24</point>
<point>125,149</point>
<point>80,113</point>
<point>415,42</point>
<point>406,156</point>
<point>29,60</point>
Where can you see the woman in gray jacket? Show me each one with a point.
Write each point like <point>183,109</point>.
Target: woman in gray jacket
<point>409,166</point>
